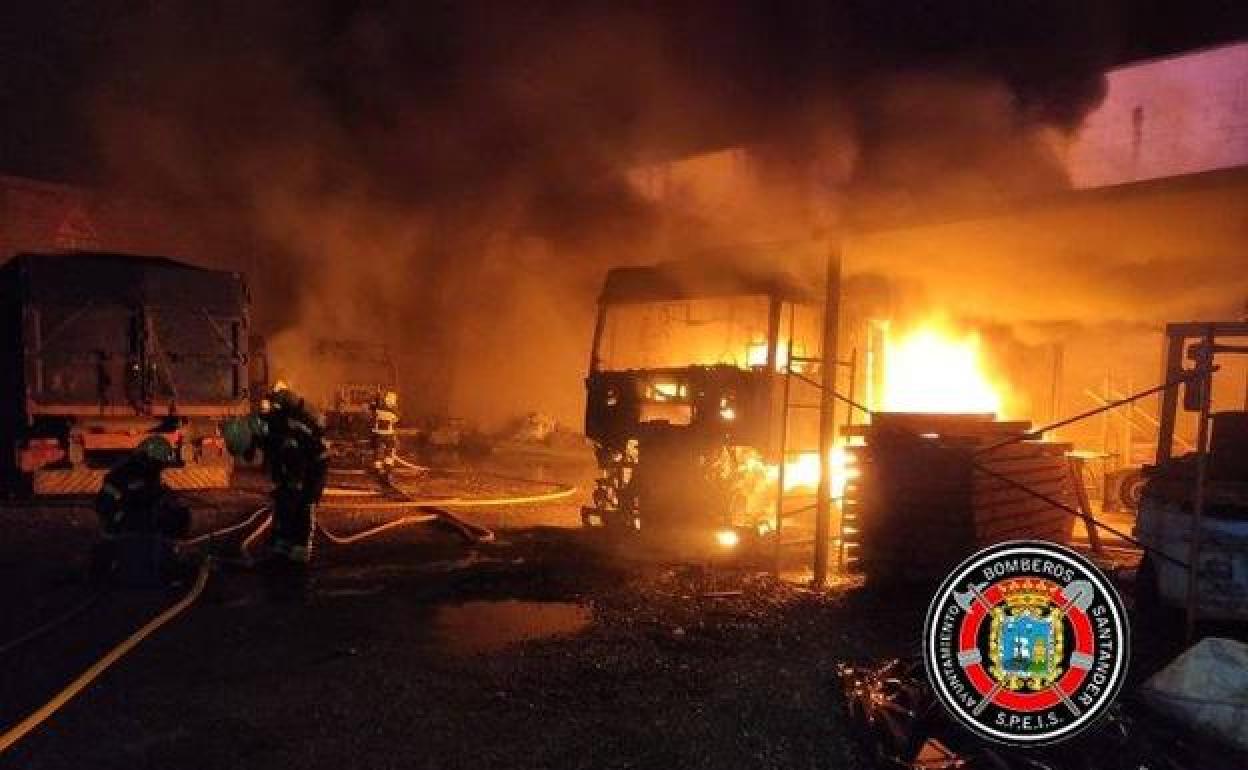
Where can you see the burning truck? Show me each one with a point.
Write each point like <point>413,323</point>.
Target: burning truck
<point>704,402</point>
<point>688,401</point>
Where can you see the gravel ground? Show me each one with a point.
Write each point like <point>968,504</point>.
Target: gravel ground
<point>544,649</point>
<point>418,650</point>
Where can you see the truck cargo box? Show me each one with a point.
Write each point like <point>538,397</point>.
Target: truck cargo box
<point>98,350</point>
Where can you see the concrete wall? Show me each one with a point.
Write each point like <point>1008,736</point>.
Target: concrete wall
<point>45,216</point>
<point>1164,117</point>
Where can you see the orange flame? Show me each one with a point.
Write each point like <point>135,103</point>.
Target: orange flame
<point>932,369</point>
<point>802,472</point>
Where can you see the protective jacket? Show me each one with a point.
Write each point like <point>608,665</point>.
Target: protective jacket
<point>134,500</point>
<point>298,462</point>
<point>385,439</point>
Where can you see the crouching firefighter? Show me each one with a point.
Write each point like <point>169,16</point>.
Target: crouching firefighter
<point>141,519</point>
<point>384,434</point>
<point>291,439</point>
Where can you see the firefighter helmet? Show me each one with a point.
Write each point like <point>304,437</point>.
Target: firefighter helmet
<point>281,397</point>
<point>242,433</point>
<point>158,449</point>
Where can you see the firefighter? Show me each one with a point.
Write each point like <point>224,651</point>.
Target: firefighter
<point>291,437</point>
<point>385,443</point>
<point>137,508</point>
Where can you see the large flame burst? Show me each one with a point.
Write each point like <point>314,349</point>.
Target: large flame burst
<point>802,472</point>
<point>933,369</point>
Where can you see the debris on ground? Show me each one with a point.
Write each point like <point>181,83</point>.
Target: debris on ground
<point>1206,688</point>
<point>533,428</point>
<point>538,431</point>
<point>898,720</point>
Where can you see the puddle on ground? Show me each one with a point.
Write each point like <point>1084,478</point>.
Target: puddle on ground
<point>485,626</point>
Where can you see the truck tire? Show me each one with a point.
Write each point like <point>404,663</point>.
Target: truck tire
<point>1131,490</point>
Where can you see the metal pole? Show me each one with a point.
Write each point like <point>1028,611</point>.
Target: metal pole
<point>853,382</point>
<point>784,438</point>
<point>1055,392</point>
<point>1205,377</point>
<point>1168,387</point>
<point>1171,367</point>
<point>1127,418</point>
<point>1244,317</point>
<point>1105,393</point>
<point>827,414</point>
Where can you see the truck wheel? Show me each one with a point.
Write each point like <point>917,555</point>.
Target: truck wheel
<point>1131,490</point>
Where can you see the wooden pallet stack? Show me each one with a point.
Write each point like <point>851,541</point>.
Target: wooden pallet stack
<point>928,495</point>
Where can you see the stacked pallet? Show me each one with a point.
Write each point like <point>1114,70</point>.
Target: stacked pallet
<point>933,489</point>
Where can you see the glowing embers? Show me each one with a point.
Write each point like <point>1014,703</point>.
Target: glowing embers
<point>664,391</point>
<point>932,369</point>
<point>756,356</point>
<point>802,471</point>
<point>666,401</point>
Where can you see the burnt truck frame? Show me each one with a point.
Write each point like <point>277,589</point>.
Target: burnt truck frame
<point>366,371</point>
<point>99,350</point>
<point>682,437</point>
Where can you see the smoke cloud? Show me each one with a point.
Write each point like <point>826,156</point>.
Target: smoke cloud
<point>453,180</point>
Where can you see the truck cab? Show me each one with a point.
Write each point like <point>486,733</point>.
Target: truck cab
<point>685,400</point>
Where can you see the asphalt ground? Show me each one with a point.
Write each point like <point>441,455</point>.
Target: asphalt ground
<point>545,648</point>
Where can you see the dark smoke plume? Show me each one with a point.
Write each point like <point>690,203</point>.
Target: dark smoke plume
<point>452,179</point>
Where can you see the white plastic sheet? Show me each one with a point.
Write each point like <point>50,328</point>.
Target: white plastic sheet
<point>1206,688</point>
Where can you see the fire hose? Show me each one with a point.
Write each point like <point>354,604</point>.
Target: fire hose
<point>254,536</point>
<point>468,531</point>
<point>213,535</point>
<point>41,715</point>
<point>20,730</point>
<point>95,596</point>
<point>70,691</point>
<point>402,521</point>
<point>455,502</point>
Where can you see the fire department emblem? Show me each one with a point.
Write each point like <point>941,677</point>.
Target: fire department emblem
<point>1026,643</point>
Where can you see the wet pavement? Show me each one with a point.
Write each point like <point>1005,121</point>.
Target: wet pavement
<point>487,626</point>
<point>417,649</point>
